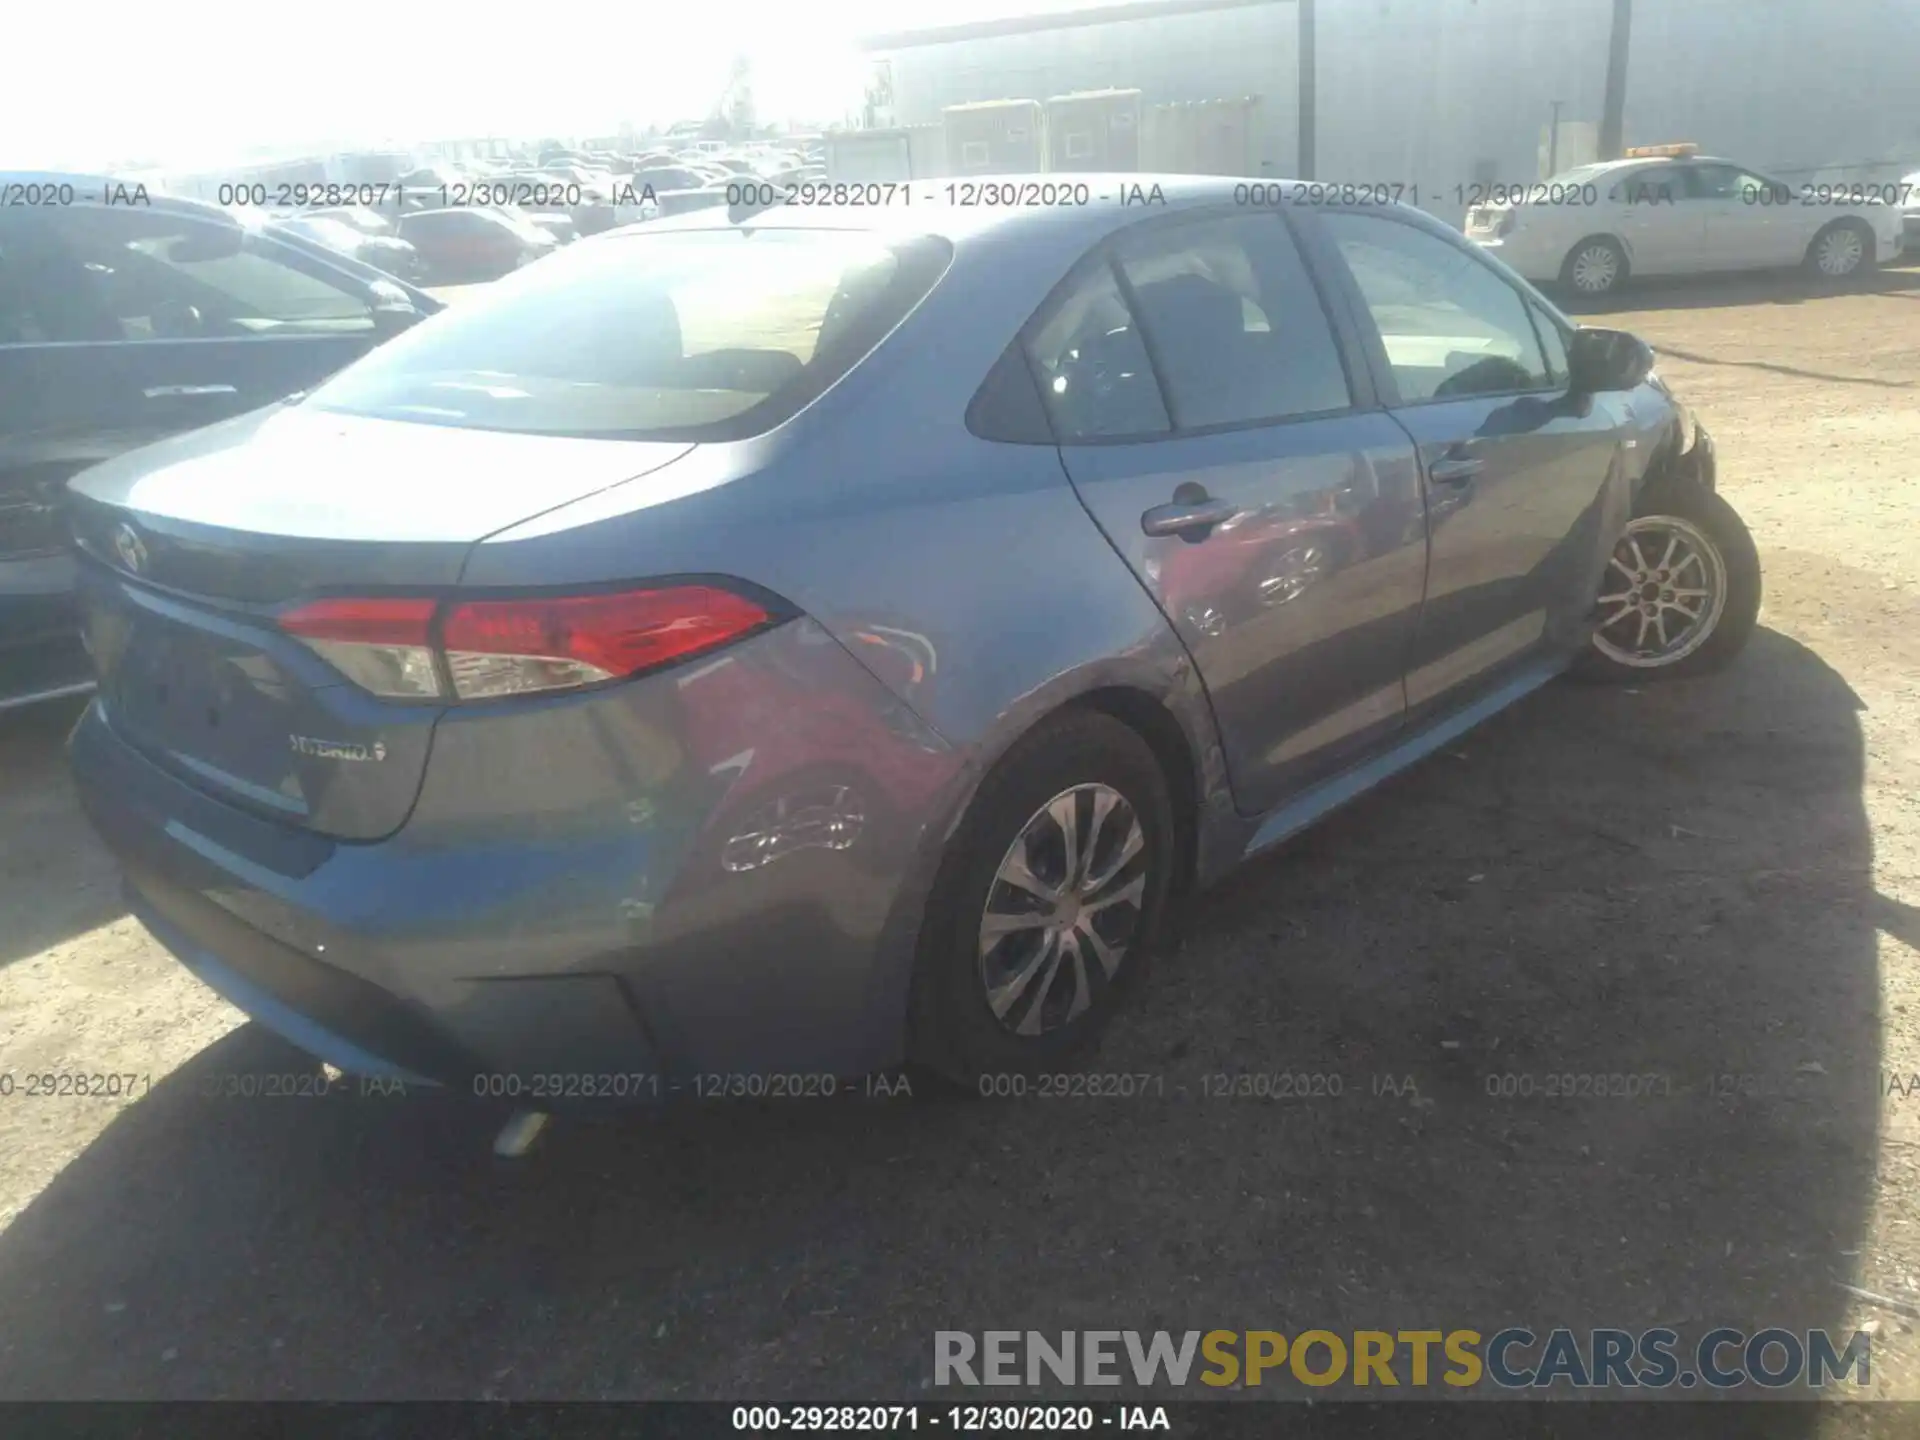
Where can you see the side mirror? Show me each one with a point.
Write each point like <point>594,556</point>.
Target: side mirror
<point>1605,360</point>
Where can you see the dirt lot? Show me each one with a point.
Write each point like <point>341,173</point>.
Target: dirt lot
<point>1715,883</point>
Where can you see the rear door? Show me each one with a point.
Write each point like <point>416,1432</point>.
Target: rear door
<point>1523,479</point>
<point>1227,444</point>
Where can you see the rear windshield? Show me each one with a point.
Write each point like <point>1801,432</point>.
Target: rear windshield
<point>689,335</point>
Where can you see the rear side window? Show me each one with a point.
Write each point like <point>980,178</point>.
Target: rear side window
<point>690,335</point>
<point>1234,324</point>
<point>1094,374</point>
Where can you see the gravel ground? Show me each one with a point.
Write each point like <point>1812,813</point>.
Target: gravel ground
<point>1712,883</point>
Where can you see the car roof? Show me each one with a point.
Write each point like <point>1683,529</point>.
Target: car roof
<point>1649,161</point>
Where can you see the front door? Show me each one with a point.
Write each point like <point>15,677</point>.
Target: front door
<point>1523,478</point>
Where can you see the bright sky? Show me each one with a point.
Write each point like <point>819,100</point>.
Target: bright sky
<point>193,85</point>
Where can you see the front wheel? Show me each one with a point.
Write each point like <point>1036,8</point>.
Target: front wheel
<point>1681,594</point>
<point>1050,891</point>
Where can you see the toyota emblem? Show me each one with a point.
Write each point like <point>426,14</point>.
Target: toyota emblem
<point>132,551</point>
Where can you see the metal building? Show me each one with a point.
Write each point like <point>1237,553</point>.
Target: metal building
<point>1449,93</point>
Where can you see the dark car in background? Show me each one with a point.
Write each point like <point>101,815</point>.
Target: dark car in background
<point>388,253</point>
<point>122,324</point>
<point>462,244</point>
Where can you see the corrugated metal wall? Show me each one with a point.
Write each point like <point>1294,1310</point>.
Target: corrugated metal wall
<point>1441,93</point>
<point>1228,54</point>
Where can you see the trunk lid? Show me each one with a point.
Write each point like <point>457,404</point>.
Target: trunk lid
<point>192,548</point>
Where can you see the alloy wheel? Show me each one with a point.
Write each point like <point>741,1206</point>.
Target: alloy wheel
<point>1063,908</point>
<point>1668,591</point>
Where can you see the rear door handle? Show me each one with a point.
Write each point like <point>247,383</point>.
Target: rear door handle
<point>168,392</point>
<point>1184,515</point>
<point>1455,470</point>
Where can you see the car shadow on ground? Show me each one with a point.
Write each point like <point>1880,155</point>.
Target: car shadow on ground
<point>56,881</point>
<point>1715,292</point>
<point>1575,1024</point>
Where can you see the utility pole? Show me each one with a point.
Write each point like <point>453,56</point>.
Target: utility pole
<point>1309,69</point>
<point>1553,142</point>
<point>1613,116</point>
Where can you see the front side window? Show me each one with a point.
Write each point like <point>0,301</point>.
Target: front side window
<point>1233,322</point>
<point>1094,375</point>
<point>695,335</point>
<point>1451,326</point>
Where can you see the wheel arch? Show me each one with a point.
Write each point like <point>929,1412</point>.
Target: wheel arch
<point>1870,240</point>
<point>1164,735</point>
<point>1166,707</point>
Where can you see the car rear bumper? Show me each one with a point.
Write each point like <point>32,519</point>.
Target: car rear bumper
<point>582,892</point>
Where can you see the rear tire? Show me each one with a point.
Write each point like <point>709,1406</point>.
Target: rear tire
<point>1688,549</point>
<point>973,1016</point>
<point>1841,253</point>
<point>1595,268</point>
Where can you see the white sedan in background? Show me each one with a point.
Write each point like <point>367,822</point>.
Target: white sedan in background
<point>1667,211</point>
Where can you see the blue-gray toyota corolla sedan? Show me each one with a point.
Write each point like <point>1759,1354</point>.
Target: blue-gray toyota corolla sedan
<point>796,642</point>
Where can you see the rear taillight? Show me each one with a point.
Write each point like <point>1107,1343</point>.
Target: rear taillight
<point>383,645</point>
<point>402,648</point>
<point>507,647</point>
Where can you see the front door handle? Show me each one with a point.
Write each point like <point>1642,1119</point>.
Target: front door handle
<point>1455,470</point>
<point>1184,516</point>
<point>168,392</point>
